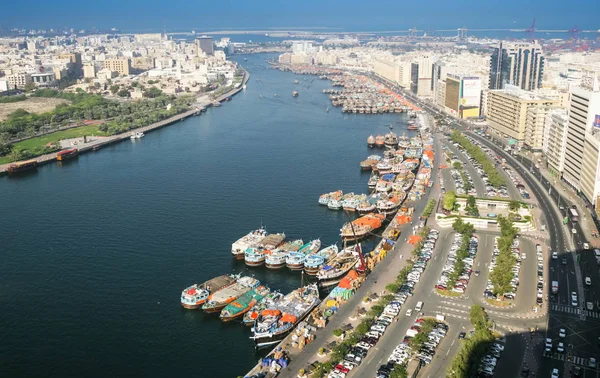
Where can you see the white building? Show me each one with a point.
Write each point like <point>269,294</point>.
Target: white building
<point>555,140</point>
<point>581,153</point>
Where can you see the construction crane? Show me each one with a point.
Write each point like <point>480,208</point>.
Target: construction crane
<point>574,33</point>
<point>531,31</point>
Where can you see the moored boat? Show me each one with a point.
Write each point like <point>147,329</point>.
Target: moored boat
<point>268,301</point>
<point>21,166</point>
<point>67,154</point>
<point>333,272</point>
<point>365,207</point>
<point>362,227</point>
<point>371,141</point>
<point>274,324</point>
<point>314,261</point>
<point>379,141</point>
<point>250,240</point>
<point>276,259</point>
<point>221,298</point>
<point>243,304</point>
<point>295,260</point>
<point>334,204</point>
<point>196,295</point>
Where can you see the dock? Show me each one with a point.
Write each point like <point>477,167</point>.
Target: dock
<point>105,141</point>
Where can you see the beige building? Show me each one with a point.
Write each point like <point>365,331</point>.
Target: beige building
<point>18,80</point>
<point>507,111</point>
<point>120,65</point>
<point>143,63</point>
<point>555,140</point>
<point>89,71</point>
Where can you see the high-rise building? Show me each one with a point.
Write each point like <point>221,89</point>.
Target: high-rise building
<point>583,138</point>
<point>555,140</point>
<point>519,64</point>
<point>507,114</point>
<point>205,44</point>
<point>463,96</point>
<point>421,76</point>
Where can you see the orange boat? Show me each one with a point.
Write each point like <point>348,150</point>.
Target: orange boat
<point>21,166</point>
<point>379,141</point>
<point>67,154</point>
<point>361,227</point>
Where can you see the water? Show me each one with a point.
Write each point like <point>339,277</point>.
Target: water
<point>95,252</point>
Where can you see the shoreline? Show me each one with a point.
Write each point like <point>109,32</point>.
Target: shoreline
<point>47,158</point>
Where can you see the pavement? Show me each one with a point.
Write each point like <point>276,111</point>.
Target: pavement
<point>382,275</point>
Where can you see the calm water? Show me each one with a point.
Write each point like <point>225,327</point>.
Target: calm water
<point>95,252</point>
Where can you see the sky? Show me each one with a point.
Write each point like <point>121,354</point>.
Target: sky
<point>347,15</point>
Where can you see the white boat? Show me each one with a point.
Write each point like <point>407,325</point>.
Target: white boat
<point>137,135</point>
<point>251,240</point>
<point>334,204</point>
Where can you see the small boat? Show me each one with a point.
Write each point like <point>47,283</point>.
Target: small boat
<point>243,304</point>
<point>350,204</point>
<point>250,240</point>
<point>221,298</point>
<point>379,141</point>
<point>334,204</point>
<point>268,301</point>
<point>332,273</point>
<point>391,140</point>
<point>255,256</point>
<point>361,227</point>
<point>21,166</point>
<point>373,181</point>
<point>194,296</point>
<point>325,198</point>
<point>365,207</point>
<point>295,260</point>
<point>296,81</point>
<point>294,94</point>
<point>67,154</point>
<point>275,259</point>
<point>314,261</point>
<point>273,324</point>
<point>137,135</point>
<point>371,141</point>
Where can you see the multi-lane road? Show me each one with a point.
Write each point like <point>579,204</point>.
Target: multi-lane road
<point>582,340</point>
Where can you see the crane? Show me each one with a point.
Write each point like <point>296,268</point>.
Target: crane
<point>531,31</point>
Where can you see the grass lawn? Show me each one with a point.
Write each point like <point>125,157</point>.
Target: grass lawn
<point>43,140</point>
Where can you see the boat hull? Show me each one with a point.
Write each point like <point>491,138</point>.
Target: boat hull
<point>255,263</point>
<point>190,306</point>
<point>330,282</point>
<point>238,256</point>
<point>311,271</point>
<point>275,266</point>
<point>295,266</point>
<point>216,308</point>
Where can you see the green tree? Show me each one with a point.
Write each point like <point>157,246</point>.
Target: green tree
<point>114,89</point>
<point>123,93</point>
<point>152,92</point>
<point>457,165</point>
<point>29,87</point>
<point>449,200</point>
<point>514,205</point>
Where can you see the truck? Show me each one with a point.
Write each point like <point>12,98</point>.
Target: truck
<point>554,287</point>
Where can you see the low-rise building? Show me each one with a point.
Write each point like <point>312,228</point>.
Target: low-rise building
<point>122,66</point>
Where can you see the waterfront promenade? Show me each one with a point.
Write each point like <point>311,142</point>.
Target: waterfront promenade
<point>98,142</point>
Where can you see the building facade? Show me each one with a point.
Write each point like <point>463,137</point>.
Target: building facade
<point>555,140</point>
<point>507,110</point>
<point>463,96</point>
<point>122,66</point>
<point>519,64</point>
<point>205,44</point>
<point>582,134</point>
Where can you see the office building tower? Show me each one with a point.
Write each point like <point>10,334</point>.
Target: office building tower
<point>518,64</point>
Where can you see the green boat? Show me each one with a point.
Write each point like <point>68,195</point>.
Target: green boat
<point>244,303</point>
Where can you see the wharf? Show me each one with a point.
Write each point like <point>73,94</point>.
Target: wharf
<point>104,141</point>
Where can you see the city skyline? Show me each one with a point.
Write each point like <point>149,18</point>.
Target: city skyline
<point>354,16</point>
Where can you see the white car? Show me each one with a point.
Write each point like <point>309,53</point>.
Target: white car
<point>548,345</point>
<point>409,312</point>
<point>554,255</point>
<point>574,299</point>
<point>562,333</point>
<point>554,373</point>
<point>560,348</point>
<point>586,246</point>
<point>588,281</point>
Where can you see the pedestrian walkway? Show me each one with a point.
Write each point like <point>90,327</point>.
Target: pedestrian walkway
<point>567,309</point>
<point>563,357</point>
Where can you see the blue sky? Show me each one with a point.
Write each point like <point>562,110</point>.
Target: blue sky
<point>346,14</point>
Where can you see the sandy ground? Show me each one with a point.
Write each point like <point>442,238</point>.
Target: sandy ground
<point>32,105</point>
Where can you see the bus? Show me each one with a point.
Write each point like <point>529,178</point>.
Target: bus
<point>574,215</point>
